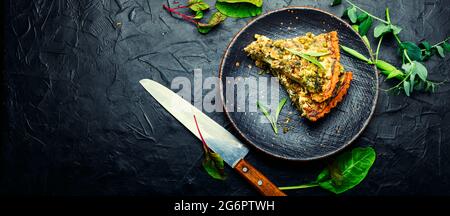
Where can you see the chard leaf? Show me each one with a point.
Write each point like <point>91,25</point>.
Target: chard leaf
<point>238,10</point>
<point>215,20</point>
<point>198,15</point>
<point>214,166</point>
<point>346,171</point>
<point>336,2</point>
<point>307,57</point>
<point>257,3</point>
<point>198,5</point>
<point>440,51</point>
<point>212,163</point>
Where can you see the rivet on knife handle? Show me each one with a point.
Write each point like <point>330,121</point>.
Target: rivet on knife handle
<point>257,179</point>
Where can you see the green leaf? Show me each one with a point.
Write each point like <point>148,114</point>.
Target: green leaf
<point>406,87</point>
<point>257,3</point>
<point>412,81</point>
<point>198,15</point>
<point>238,10</point>
<point>214,166</point>
<point>381,29</point>
<point>420,70</point>
<point>307,57</point>
<point>361,17</point>
<point>215,20</point>
<point>268,116</point>
<point>365,26</point>
<point>355,54</point>
<point>446,46</point>
<point>395,29</point>
<point>352,15</point>
<point>345,13</point>
<point>279,108</point>
<point>440,51</point>
<point>336,2</point>
<point>198,5</point>
<point>414,52</point>
<point>347,171</point>
<point>425,44</point>
<point>316,54</point>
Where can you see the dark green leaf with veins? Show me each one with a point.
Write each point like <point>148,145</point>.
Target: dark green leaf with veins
<point>414,52</point>
<point>257,3</point>
<point>215,20</point>
<point>198,5</point>
<point>240,9</point>
<point>214,166</point>
<point>346,171</point>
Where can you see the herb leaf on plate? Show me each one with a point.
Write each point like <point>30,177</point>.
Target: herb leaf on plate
<point>272,119</point>
<point>307,57</point>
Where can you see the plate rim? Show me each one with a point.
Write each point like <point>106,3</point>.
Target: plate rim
<point>243,136</point>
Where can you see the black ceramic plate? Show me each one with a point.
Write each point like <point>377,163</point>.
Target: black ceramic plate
<point>304,140</point>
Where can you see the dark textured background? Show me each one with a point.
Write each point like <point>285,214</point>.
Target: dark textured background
<point>71,99</point>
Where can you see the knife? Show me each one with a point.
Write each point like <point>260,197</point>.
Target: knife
<point>218,138</point>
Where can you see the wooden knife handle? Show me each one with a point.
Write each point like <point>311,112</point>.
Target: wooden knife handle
<point>257,179</point>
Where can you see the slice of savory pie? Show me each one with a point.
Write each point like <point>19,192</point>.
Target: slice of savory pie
<point>308,67</point>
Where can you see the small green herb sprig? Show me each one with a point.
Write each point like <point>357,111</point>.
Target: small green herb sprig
<point>225,8</point>
<point>272,119</point>
<point>344,173</point>
<point>413,75</point>
<point>309,56</point>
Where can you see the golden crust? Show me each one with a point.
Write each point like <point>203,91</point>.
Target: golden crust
<point>341,91</point>
<point>329,88</point>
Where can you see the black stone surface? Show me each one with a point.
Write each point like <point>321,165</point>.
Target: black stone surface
<point>71,98</point>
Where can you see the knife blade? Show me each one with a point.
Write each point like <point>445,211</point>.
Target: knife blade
<point>217,138</point>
